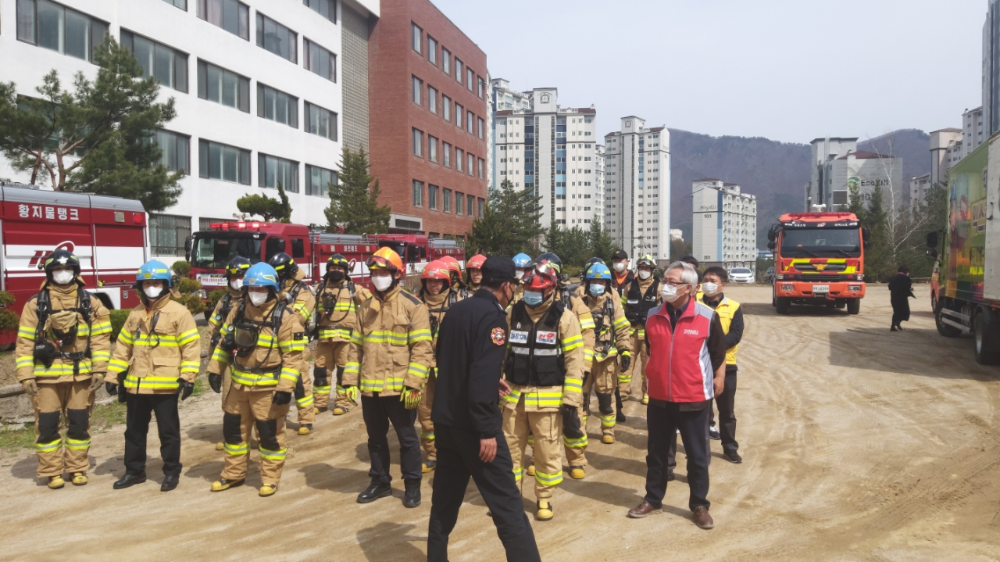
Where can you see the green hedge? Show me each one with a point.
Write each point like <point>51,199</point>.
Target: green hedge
<point>181,268</point>
<point>118,318</point>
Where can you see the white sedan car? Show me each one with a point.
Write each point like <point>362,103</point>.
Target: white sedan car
<point>741,275</point>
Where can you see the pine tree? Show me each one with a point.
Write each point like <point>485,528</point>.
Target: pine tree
<point>97,138</point>
<point>509,224</point>
<point>277,210</point>
<point>601,244</point>
<point>354,198</point>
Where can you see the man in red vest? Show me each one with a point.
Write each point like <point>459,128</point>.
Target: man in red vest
<point>686,369</point>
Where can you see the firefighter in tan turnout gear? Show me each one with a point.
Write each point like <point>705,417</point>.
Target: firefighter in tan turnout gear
<point>62,353</point>
<point>262,342</point>
<point>337,300</point>
<point>640,296</point>
<point>236,270</point>
<point>301,299</point>
<point>157,358</point>
<point>544,368</point>
<point>439,295</point>
<point>393,347</point>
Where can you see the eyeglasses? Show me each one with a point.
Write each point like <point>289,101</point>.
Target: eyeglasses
<point>674,283</point>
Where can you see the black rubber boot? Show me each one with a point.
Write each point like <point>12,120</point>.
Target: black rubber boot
<point>620,418</point>
<point>412,496</point>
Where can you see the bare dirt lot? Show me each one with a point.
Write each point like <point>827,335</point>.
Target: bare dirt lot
<point>858,444</point>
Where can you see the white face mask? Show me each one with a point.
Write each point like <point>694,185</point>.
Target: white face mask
<point>519,273</point>
<point>257,299</point>
<point>236,284</point>
<point>710,289</point>
<point>669,293</point>
<point>153,292</point>
<point>63,276</point>
<point>643,274</point>
<point>382,283</point>
<point>620,266</point>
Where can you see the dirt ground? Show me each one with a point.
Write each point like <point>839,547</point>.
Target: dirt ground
<point>858,444</point>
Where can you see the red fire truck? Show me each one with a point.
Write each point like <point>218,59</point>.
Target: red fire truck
<point>210,250</point>
<point>108,234</point>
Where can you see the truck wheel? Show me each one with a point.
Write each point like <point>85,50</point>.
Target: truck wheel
<point>854,306</point>
<point>783,305</point>
<point>987,335</point>
<point>942,328</point>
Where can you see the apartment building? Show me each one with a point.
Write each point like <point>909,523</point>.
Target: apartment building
<point>724,229</point>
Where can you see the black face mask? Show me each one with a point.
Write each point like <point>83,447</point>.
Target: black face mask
<point>336,275</point>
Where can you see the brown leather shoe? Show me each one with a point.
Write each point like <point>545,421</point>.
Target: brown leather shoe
<point>643,509</point>
<point>702,519</point>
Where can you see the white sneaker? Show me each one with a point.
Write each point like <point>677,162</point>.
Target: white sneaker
<point>713,432</point>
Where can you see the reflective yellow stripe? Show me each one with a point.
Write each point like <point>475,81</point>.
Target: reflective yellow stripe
<point>167,383</point>
<point>517,474</point>
<point>427,435</point>
<point>395,383</point>
<point>116,366</point>
<point>573,384</point>
<point>640,333</point>
<point>417,369</point>
<point>301,309</point>
<point>100,355</point>
<point>77,444</point>
<point>290,374</point>
<point>419,335</point>
<point>188,336</point>
<point>61,369</point>
<point>101,328</point>
<point>293,345</point>
<point>588,354</point>
<point>621,322</point>
<point>306,401</point>
<point>190,366</point>
<point>220,355</point>
<point>238,449</point>
<point>357,337</point>
<point>250,379</point>
<point>587,324</point>
<point>124,336</point>
<point>580,443</point>
<point>513,397</point>
<point>50,447</point>
<point>386,336</point>
<point>548,479</point>
<point>352,367</point>
<point>321,390</point>
<point>371,385</point>
<point>571,343</point>
<point>334,333</point>
<point>278,455</point>
<point>26,333</point>
<point>625,377</point>
<point>341,306</point>
<point>608,421</point>
<point>543,399</point>
<point>25,361</point>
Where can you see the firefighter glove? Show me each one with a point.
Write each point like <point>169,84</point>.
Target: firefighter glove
<point>281,398</point>
<point>111,388</point>
<point>571,422</point>
<point>410,397</point>
<point>626,361</point>
<point>351,393</point>
<point>95,381</point>
<point>215,381</point>
<point>30,387</point>
<point>186,389</point>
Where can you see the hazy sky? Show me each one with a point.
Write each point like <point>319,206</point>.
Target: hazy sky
<point>789,70</point>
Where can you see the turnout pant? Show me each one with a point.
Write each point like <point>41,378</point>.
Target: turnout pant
<point>637,368</point>
<point>378,413</point>
<point>329,360</point>
<point>546,428</point>
<point>304,401</point>
<point>424,417</point>
<point>458,460</point>
<point>139,411</point>
<point>603,377</point>
<point>664,419</point>
<point>245,409</point>
<point>55,401</point>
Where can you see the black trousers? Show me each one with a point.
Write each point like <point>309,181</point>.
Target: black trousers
<point>139,411</point>
<point>457,460</point>
<point>664,419</point>
<point>378,413</point>
<point>727,415</point>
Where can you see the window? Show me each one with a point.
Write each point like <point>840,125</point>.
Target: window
<point>458,70</point>
<point>182,4</point>
<point>417,38</point>
<point>325,8</point>
<point>318,180</point>
<point>447,200</point>
<point>482,87</point>
<point>322,122</point>
<point>222,86</point>
<point>231,15</point>
<point>470,168</point>
<point>175,151</point>
<point>446,102</point>
<point>223,162</point>
<point>469,118</point>
<point>418,142</point>
<point>167,234</point>
<point>480,127</point>
<point>432,197</point>
<point>53,26</point>
<point>479,208</point>
<point>272,170</point>
<point>458,115</point>
<point>418,193</point>
<point>459,155</point>
<point>277,106</point>
<point>459,198</point>
<point>417,86</point>
<point>432,148</point>
<point>470,77</point>
<point>319,60</point>
<point>470,200</point>
<point>432,99</point>
<point>276,38</point>
<point>447,154</point>
<point>432,47</point>
<point>445,60</point>
<point>480,170</point>
<point>168,66</point>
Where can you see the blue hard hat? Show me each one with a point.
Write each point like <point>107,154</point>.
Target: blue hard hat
<point>598,271</point>
<point>521,260</point>
<point>154,270</point>
<point>261,275</point>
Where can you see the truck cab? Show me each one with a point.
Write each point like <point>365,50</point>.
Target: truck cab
<point>210,250</point>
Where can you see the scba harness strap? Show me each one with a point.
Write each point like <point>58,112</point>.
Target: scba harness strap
<point>45,352</point>
<point>243,344</point>
<point>436,313</point>
<point>607,312</point>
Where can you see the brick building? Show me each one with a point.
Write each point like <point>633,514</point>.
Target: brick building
<point>428,99</point>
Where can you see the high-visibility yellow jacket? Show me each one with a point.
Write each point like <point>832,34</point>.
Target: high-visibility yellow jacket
<point>61,298</point>
<point>337,324</point>
<point>277,362</point>
<point>726,309</point>
<point>392,349</point>
<point>551,398</point>
<point>614,336</point>
<point>156,360</point>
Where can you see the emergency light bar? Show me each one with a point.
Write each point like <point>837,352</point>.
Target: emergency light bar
<point>234,226</point>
